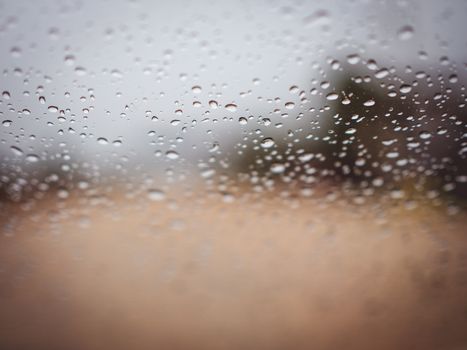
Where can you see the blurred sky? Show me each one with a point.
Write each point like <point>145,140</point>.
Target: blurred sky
<point>123,62</point>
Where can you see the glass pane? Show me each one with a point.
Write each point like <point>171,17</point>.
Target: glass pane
<point>233,175</point>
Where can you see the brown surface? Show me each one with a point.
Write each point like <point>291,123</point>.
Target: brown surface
<point>245,275</point>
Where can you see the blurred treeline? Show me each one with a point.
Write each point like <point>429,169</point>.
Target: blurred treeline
<point>403,131</point>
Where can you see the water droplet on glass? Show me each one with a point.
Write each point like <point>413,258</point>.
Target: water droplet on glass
<point>277,168</point>
<point>172,155</point>
<point>405,33</point>
<point>231,107</point>
<point>156,195</point>
<point>332,96</point>
<point>268,142</point>
<point>290,105</point>
<point>32,158</point>
<point>17,151</point>
<point>424,135</point>
<point>242,121</point>
<point>380,74</point>
<point>353,59</point>
<point>102,141</point>
<point>405,88</point>
<point>80,71</point>
<point>69,60</point>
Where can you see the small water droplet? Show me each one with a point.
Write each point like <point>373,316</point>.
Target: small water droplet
<point>17,151</point>
<point>369,103</point>
<point>405,88</point>
<point>102,141</point>
<point>231,107</point>
<point>405,32</point>
<point>242,121</point>
<point>353,59</point>
<point>80,71</point>
<point>380,74</point>
<point>172,155</point>
<point>332,96</point>
<point>196,89</point>
<point>290,105</point>
<point>424,135</point>
<point>156,195</point>
<point>277,168</point>
<point>69,60</point>
<point>293,89</point>
<point>32,158</point>
<point>268,142</point>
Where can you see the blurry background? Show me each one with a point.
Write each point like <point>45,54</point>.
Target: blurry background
<point>198,149</point>
<point>99,90</point>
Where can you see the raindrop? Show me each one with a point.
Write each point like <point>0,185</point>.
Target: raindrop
<point>277,168</point>
<point>424,135</point>
<point>102,141</point>
<point>80,71</point>
<point>69,60</point>
<point>290,105</point>
<point>231,107</point>
<point>116,73</point>
<point>332,96</point>
<point>32,158</point>
<point>242,121</point>
<point>172,155</point>
<point>196,89</point>
<point>353,59</point>
<point>382,73</point>
<point>17,151</point>
<point>405,33</point>
<point>53,109</point>
<point>156,195</point>
<point>453,79</point>
<point>405,88</point>
<point>268,142</point>
<point>293,89</point>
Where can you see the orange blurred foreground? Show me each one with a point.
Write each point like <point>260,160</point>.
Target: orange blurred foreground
<point>262,274</point>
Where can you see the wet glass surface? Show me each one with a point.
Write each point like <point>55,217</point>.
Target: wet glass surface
<point>233,175</point>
